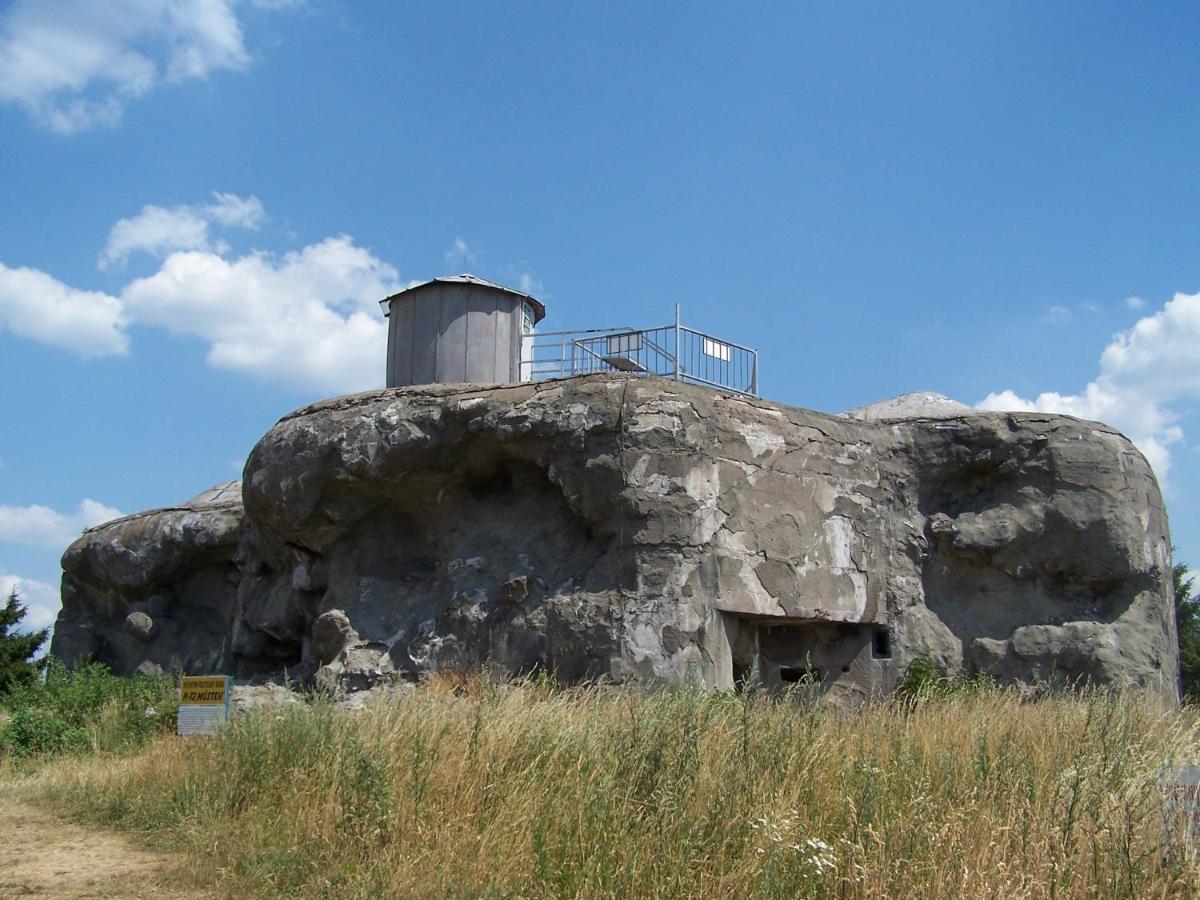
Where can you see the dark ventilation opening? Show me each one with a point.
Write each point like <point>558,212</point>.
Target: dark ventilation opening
<point>796,675</point>
<point>881,643</point>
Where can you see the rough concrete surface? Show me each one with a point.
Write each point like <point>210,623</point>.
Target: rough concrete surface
<point>640,529</point>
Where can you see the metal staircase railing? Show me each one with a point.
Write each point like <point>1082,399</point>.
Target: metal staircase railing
<point>674,351</point>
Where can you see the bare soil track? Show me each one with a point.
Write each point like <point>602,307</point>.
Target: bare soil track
<point>44,855</point>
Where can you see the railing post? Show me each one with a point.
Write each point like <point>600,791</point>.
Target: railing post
<point>677,344</point>
<point>754,377</point>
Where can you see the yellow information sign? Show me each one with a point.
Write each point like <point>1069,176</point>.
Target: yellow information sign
<point>203,703</point>
<point>203,690</point>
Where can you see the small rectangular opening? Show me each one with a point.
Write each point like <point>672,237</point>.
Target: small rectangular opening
<point>881,643</point>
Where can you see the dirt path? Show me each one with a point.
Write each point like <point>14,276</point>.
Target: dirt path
<point>42,855</point>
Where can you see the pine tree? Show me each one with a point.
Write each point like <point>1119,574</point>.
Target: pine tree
<point>17,666</point>
<point>1187,619</point>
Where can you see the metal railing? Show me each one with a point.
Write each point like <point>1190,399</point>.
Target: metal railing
<point>674,351</point>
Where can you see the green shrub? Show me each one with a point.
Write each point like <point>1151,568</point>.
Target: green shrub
<point>86,708</point>
<point>922,679</point>
<point>35,731</point>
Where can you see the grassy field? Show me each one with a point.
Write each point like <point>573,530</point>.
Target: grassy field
<point>482,790</point>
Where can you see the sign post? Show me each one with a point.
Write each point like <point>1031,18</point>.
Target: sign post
<point>203,703</point>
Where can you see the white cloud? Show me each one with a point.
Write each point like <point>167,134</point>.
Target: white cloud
<point>43,526</point>
<point>1147,374</point>
<point>76,64</point>
<point>460,254</point>
<point>41,601</point>
<point>309,318</point>
<point>159,231</point>
<point>1160,354</point>
<point>156,231</point>
<point>1056,314</point>
<point>232,211</point>
<point>1090,307</point>
<point>1135,302</point>
<point>35,305</point>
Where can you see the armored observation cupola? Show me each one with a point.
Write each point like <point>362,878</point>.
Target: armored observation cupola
<point>459,328</point>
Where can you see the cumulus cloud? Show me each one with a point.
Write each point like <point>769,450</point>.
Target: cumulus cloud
<point>76,64</point>
<point>43,526</point>
<point>1135,302</point>
<point>232,211</point>
<point>41,601</point>
<point>1147,373</point>
<point>158,231</point>
<point>37,306</point>
<point>308,318</point>
<point>1160,354</point>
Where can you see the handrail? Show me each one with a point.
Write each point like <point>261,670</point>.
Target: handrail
<point>673,351</point>
<point>583,331</point>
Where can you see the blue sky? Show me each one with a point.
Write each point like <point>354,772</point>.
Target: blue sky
<point>202,202</point>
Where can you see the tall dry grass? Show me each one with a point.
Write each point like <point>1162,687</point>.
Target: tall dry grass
<point>531,791</point>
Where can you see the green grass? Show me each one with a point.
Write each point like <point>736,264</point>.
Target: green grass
<point>530,791</point>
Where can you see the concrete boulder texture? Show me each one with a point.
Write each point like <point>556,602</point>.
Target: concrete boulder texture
<point>635,529</point>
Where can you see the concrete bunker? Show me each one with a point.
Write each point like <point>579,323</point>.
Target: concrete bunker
<point>644,530</point>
